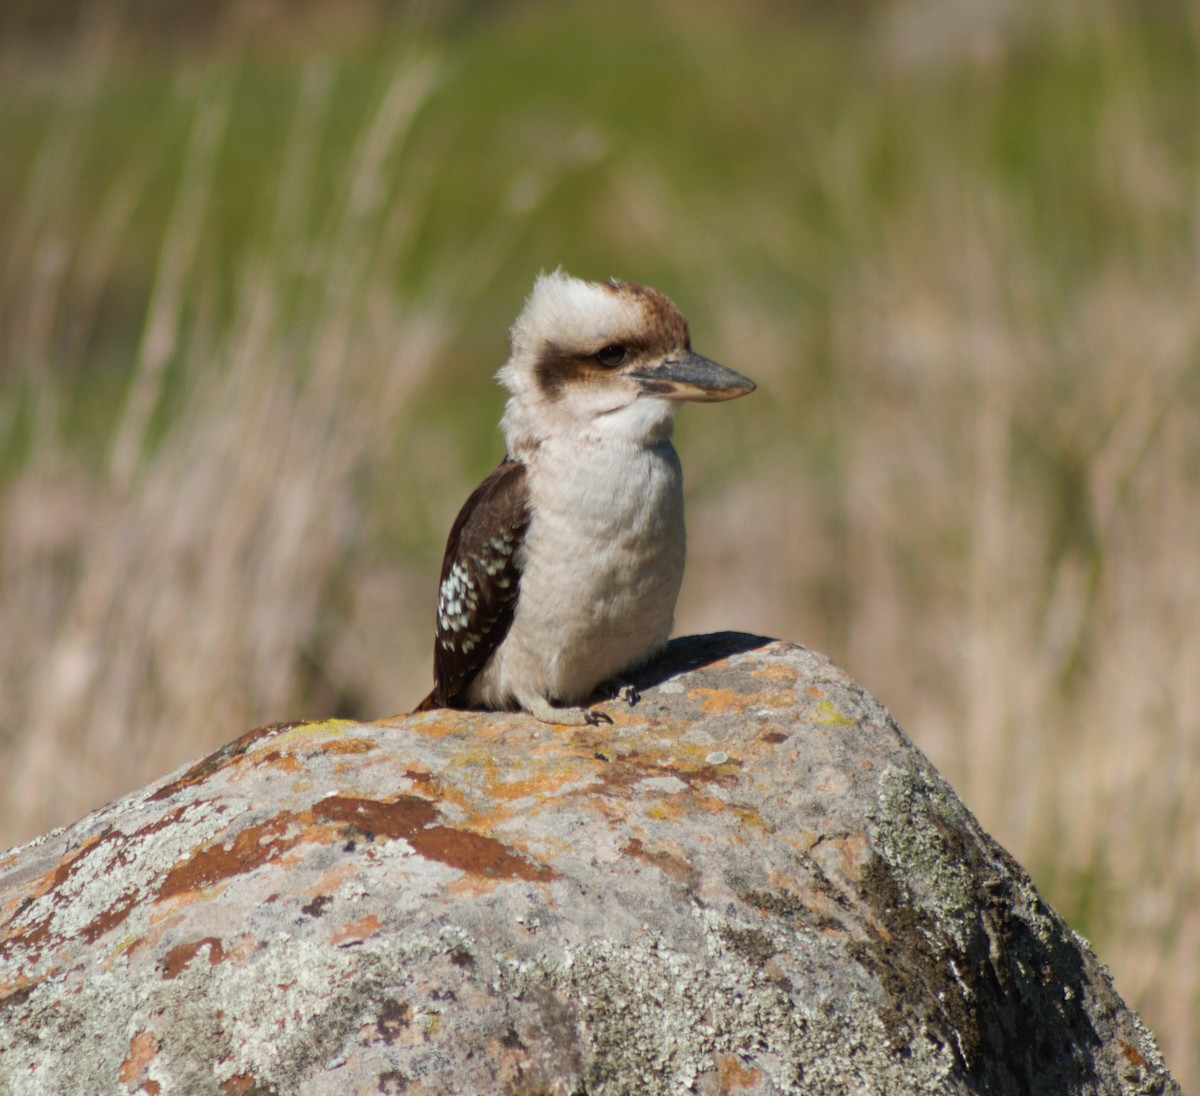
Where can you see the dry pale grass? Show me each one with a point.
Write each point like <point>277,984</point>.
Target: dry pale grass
<point>1012,544</point>
<point>186,586</point>
<point>983,499</point>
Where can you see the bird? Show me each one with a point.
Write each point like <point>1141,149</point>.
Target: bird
<point>562,569</point>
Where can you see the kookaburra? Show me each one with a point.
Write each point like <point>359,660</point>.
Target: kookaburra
<point>562,568</point>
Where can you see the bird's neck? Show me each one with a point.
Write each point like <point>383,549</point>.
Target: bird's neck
<point>643,424</point>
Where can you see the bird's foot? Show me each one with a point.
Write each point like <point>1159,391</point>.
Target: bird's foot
<point>541,708</point>
<point>626,691</point>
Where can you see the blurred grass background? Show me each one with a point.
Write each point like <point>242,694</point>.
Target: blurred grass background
<point>257,264</point>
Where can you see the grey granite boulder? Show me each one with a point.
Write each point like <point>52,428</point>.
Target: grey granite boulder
<point>751,882</point>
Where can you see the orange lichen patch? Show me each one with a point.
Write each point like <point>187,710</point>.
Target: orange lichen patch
<point>1131,1052</point>
<point>220,759</point>
<point>440,722</point>
<point>111,917</point>
<point>278,759</point>
<point>413,818</point>
<point>479,855</point>
<point>177,959</point>
<point>163,915</point>
<point>357,930</point>
<point>583,741</point>
<point>776,671</point>
<point>621,776</point>
<point>544,783</point>
<point>706,803</point>
<point>400,817</point>
<point>241,1085</point>
<point>254,846</point>
<point>617,775</point>
<point>724,775</point>
<point>779,700</point>
<point>622,715</point>
<point>715,701</point>
<point>734,1075</point>
<point>815,691</point>
<point>142,1050</point>
<point>429,784</point>
<point>665,861</point>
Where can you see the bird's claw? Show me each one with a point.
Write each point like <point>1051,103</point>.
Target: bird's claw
<point>626,691</point>
<point>596,718</point>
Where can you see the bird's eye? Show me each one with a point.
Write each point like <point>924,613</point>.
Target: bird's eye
<point>611,356</point>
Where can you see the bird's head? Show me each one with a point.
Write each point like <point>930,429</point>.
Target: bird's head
<point>604,358</point>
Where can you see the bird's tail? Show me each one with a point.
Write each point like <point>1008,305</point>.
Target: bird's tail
<point>429,704</point>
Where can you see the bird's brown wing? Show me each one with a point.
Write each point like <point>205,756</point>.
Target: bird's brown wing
<point>481,575</point>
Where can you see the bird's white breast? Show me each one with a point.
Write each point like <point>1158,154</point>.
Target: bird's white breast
<point>603,562</point>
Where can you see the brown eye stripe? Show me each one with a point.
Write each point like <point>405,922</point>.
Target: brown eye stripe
<point>557,367</point>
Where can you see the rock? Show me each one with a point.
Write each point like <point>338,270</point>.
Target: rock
<point>752,882</point>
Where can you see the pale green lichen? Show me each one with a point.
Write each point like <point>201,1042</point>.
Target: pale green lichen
<point>908,836</point>
<point>656,1016</point>
<point>1008,960</point>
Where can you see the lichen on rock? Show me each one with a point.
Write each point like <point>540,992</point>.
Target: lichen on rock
<point>750,882</point>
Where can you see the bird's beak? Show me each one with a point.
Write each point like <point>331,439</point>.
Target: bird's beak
<point>691,377</point>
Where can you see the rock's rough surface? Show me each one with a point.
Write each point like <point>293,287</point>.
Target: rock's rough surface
<point>751,883</point>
